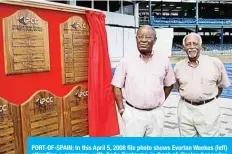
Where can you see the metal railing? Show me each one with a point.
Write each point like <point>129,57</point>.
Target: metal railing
<point>223,52</point>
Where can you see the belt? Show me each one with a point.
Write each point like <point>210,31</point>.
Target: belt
<point>148,109</point>
<point>197,103</point>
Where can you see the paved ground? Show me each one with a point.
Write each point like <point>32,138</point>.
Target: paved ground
<point>171,127</point>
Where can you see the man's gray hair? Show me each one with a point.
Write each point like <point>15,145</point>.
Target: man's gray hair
<point>193,34</point>
<point>148,26</point>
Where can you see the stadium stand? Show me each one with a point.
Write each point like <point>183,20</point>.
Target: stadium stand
<point>212,20</point>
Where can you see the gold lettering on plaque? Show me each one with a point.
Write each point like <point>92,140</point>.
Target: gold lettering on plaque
<point>27,47</point>
<point>74,50</point>
<point>10,128</point>
<point>76,112</point>
<point>42,115</point>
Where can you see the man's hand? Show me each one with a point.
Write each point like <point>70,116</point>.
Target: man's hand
<point>167,91</point>
<point>121,111</point>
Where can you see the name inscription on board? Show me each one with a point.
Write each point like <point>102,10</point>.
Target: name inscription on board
<point>74,50</point>
<point>27,50</point>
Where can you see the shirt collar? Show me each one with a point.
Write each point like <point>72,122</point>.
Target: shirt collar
<point>141,56</point>
<point>198,61</point>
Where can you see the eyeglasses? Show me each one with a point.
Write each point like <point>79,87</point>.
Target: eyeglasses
<point>140,37</point>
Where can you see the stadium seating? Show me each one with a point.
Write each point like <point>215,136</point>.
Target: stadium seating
<point>191,22</point>
<point>207,47</point>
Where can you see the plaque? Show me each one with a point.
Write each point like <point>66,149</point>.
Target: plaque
<point>42,115</point>
<point>10,128</point>
<point>76,112</point>
<point>26,47</point>
<point>74,50</point>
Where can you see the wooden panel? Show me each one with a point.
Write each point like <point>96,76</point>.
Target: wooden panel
<point>28,36</point>
<point>45,129</point>
<point>10,128</point>
<point>42,115</point>
<point>7,147</point>
<point>29,65</point>
<point>49,6</point>
<point>76,112</point>
<point>26,58</point>
<point>74,35</point>
<point>27,47</point>
<point>23,51</point>
<point>44,122</point>
<point>27,43</point>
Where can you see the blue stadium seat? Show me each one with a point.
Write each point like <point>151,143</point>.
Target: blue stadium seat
<point>191,21</point>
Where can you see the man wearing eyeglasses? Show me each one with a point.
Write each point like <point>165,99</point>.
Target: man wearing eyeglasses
<point>141,83</point>
<point>200,79</point>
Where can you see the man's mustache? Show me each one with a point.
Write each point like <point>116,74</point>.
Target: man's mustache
<point>192,50</point>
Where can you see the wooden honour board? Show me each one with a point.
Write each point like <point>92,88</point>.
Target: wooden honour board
<point>76,112</point>
<point>42,115</point>
<point>26,47</point>
<point>74,35</point>
<point>10,128</point>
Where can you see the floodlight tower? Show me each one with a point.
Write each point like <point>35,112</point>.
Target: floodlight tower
<point>197,16</point>
<point>150,11</point>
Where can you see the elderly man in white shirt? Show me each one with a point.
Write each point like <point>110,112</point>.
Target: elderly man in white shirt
<point>200,80</point>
